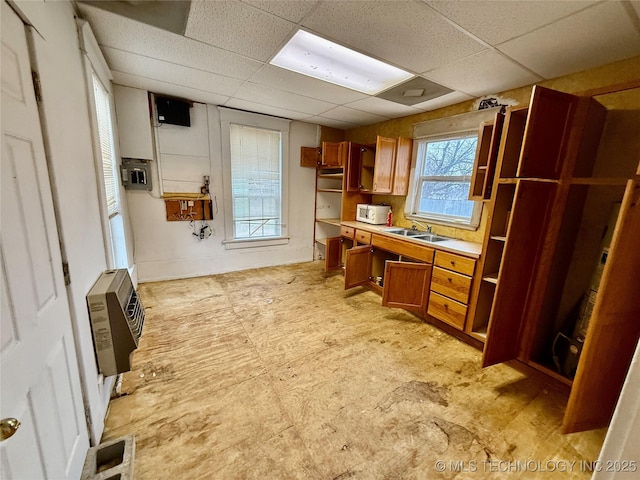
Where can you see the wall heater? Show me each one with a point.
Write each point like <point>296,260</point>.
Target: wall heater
<point>117,316</point>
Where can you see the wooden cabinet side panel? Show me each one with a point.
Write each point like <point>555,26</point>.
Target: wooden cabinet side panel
<point>384,165</point>
<point>354,166</point>
<point>525,239</point>
<point>403,166</point>
<point>406,285</point>
<point>546,132</point>
<point>478,175</point>
<point>614,328</point>
<point>357,266</point>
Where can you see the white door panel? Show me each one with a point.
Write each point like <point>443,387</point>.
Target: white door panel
<point>40,384</point>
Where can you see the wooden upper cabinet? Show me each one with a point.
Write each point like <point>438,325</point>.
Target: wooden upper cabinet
<point>546,134</point>
<point>310,157</point>
<point>384,165</point>
<point>404,151</point>
<point>354,165</point>
<point>406,285</point>
<point>332,154</point>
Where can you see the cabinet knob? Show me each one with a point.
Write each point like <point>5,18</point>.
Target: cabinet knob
<point>450,279</point>
<point>452,262</point>
<point>446,306</point>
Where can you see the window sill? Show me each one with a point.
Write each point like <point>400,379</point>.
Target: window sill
<point>443,222</point>
<point>254,242</point>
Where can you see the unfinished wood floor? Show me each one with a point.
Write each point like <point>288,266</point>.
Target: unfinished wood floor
<point>279,373</point>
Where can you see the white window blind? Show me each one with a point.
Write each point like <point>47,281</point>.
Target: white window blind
<point>105,132</point>
<point>256,181</point>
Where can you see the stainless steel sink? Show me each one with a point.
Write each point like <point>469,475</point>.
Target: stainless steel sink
<point>416,234</point>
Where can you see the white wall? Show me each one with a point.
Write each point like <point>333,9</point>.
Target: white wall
<point>166,250</point>
<point>65,111</point>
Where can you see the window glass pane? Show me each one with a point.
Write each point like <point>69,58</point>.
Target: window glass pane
<point>445,198</point>
<point>450,157</point>
<point>256,187</point>
<point>443,187</point>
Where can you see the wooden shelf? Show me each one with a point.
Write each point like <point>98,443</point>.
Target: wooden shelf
<point>334,176</point>
<point>551,373</point>
<point>499,238</point>
<point>330,190</point>
<point>492,278</point>
<point>507,181</point>
<point>480,335</point>
<point>329,221</point>
<point>322,241</point>
<point>599,181</point>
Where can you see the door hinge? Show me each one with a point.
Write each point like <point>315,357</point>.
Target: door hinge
<point>35,76</point>
<point>66,274</point>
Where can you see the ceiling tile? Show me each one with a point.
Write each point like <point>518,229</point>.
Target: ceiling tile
<point>407,34</point>
<point>443,101</point>
<point>266,109</point>
<point>122,33</point>
<point>281,78</point>
<point>279,98</point>
<point>292,10</point>
<point>158,86</point>
<point>350,115</point>
<point>171,73</point>
<point>238,27</point>
<point>329,122</point>
<point>379,106</point>
<point>601,34</point>
<point>482,73</point>
<point>498,21</point>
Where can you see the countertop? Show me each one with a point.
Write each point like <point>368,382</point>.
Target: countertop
<point>461,247</point>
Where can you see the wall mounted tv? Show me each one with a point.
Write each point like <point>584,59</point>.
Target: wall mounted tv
<point>173,111</point>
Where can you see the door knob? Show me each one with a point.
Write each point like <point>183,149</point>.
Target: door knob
<point>8,426</point>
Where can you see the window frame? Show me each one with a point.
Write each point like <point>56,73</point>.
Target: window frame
<point>413,201</point>
<point>229,117</point>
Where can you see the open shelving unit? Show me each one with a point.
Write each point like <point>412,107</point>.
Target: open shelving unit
<point>328,205</point>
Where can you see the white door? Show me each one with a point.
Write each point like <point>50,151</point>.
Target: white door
<point>40,383</point>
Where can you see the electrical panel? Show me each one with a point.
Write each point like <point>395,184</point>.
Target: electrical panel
<point>136,174</point>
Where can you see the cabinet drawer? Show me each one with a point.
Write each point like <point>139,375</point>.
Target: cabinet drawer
<point>450,284</point>
<point>456,263</point>
<point>447,310</point>
<point>347,232</point>
<point>401,247</point>
<point>363,237</point>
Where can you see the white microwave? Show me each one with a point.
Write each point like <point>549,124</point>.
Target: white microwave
<point>374,214</point>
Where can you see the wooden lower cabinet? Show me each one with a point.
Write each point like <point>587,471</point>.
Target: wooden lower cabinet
<point>450,288</point>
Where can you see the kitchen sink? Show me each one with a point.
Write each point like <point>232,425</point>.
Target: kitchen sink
<point>416,234</point>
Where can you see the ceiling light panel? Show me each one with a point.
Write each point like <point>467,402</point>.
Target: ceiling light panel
<point>322,59</point>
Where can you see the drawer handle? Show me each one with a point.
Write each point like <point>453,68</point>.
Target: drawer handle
<point>452,262</point>
<point>450,279</point>
<point>446,306</point>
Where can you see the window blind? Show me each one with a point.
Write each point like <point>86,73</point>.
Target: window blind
<point>256,183</point>
<point>107,151</point>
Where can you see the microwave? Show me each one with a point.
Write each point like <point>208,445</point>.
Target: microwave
<point>374,214</point>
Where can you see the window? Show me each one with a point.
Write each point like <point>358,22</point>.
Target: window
<point>255,157</point>
<point>256,187</point>
<point>442,178</point>
<point>104,122</point>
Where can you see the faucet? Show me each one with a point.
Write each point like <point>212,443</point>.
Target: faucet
<point>426,227</point>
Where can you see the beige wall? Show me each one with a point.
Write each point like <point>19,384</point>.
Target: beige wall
<point>612,74</point>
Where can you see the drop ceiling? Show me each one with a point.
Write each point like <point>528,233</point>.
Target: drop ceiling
<point>218,51</point>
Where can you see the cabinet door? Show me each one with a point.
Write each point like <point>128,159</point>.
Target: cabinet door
<point>546,133</point>
<point>492,159</point>
<point>333,254</point>
<point>384,165</point>
<point>406,285</point>
<point>331,154</point>
<point>354,166</point>
<point>358,266</point>
<point>614,327</point>
<point>522,253</point>
<point>402,167</point>
<point>309,157</point>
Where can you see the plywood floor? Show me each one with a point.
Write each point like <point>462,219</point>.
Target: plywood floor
<point>279,373</point>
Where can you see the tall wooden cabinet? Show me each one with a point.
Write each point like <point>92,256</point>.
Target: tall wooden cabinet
<point>549,205</point>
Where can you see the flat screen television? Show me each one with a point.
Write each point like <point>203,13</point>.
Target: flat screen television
<point>173,111</point>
